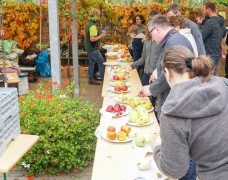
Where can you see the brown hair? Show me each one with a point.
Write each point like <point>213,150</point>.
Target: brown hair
<point>174,8</point>
<point>141,17</point>
<point>147,34</point>
<point>211,6</point>
<point>177,20</point>
<point>133,29</point>
<point>177,58</point>
<point>94,12</point>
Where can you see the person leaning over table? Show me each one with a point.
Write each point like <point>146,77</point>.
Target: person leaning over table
<point>194,118</point>
<point>137,46</point>
<point>150,53</point>
<point>92,45</point>
<point>163,34</point>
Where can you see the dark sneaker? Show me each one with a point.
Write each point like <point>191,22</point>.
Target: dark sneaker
<point>93,82</point>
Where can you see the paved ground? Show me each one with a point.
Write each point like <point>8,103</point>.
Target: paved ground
<point>89,92</point>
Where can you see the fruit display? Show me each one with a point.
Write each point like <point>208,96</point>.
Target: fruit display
<point>122,98</point>
<point>140,141</point>
<point>121,135</point>
<point>116,110</point>
<point>139,115</point>
<point>119,77</point>
<point>134,102</point>
<point>120,88</point>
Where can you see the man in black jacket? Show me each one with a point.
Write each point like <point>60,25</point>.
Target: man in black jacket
<point>213,31</point>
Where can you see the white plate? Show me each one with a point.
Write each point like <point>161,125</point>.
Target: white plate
<point>111,63</point>
<point>111,83</point>
<point>133,172</point>
<point>128,109</point>
<point>120,92</point>
<point>139,125</point>
<point>116,98</point>
<point>103,135</point>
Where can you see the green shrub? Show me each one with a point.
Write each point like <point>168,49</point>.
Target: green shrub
<point>66,128</point>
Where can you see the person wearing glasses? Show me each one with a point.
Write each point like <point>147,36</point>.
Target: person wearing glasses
<point>194,118</point>
<point>164,34</point>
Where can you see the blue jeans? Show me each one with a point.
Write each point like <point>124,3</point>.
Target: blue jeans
<point>216,62</point>
<point>95,57</point>
<point>145,81</point>
<point>191,174</point>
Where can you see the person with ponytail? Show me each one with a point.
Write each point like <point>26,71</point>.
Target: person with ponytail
<point>194,117</point>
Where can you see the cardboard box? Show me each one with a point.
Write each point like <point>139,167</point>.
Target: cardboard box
<point>64,71</point>
<point>83,72</point>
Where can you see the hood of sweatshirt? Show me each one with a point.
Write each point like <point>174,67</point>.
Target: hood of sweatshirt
<point>196,99</point>
<point>140,35</point>
<point>220,20</point>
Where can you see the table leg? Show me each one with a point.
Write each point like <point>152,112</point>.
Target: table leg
<point>4,176</point>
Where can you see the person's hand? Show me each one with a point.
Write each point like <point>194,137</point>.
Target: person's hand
<point>199,20</point>
<point>152,78</point>
<point>145,91</point>
<point>129,68</point>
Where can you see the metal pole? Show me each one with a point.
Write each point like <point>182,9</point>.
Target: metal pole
<point>75,51</point>
<point>54,42</point>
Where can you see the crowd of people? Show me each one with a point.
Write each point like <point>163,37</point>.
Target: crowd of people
<point>177,61</point>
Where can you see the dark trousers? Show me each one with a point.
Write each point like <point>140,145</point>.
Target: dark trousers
<point>226,66</point>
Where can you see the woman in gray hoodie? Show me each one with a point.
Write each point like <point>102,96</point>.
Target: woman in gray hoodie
<point>194,118</point>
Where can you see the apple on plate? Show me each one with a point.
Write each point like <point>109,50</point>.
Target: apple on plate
<point>117,107</point>
<point>111,132</point>
<point>123,108</point>
<point>109,108</point>
<point>115,77</point>
<point>126,129</point>
<point>111,128</point>
<point>124,88</point>
<point>117,88</point>
<point>140,141</point>
<point>121,135</point>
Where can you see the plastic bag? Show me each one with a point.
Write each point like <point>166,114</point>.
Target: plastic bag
<point>43,65</point>
<point>8,45</point>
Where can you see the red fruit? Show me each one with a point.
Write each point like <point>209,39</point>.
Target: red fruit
<point>111,128</point>
<point>117,108</point>
<point>117,88</point>
<point>124,88</point>
<point>123,108</point>
<point>115,77</point>
<point>110,108</point>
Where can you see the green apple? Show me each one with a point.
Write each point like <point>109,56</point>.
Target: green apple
<point>141,121</point>
<point>134,115</point>
<point>140,141</point>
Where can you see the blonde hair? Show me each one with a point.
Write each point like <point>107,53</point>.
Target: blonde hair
<point>180,59</point>
<point>94,12</point>
<point>133,29</point>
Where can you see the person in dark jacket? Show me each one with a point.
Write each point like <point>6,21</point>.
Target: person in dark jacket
<point>213,31</point>
<point>137,46</point>
<point>173,10</point>
<point>194,119</point>
<point>163,34</point>
<point>92,46</point>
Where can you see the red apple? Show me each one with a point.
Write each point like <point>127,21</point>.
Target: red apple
<point>123,108</point>
<point>117,88</point>
<point>126,129</point>
<point>111,128</point>
<point>111,135</point>
<point>117,108</point>
<point>109,108</point>
<point>115,77</point>
<point>124,88</point>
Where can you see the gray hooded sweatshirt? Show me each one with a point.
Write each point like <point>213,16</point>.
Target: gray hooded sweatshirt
<point>194,125</point>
